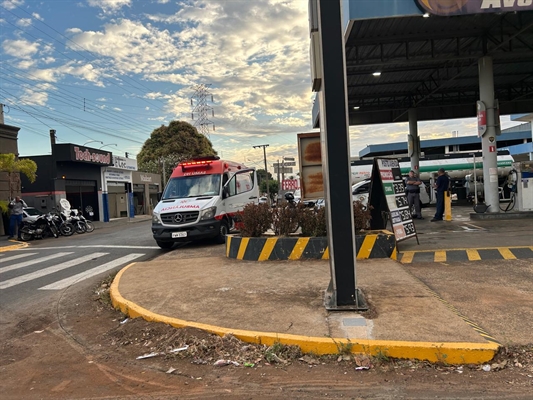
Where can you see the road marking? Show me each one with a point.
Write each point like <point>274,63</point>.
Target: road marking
<point>32,262</point>
<point>16,257</point>
<point>64,283</point>
<point>473,255</point>
<point>506,253</point>
<point>50,270</point>
<point>407,257</point>
<point>440,256</point>
<point>99,246</point>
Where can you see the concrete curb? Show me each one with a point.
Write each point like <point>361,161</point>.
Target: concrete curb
<point>16,246</point>
<point>448,352</point>
<point>372,245</point>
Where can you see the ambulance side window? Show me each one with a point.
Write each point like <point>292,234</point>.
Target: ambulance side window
<point>244,183</point>
<point>240,183</point>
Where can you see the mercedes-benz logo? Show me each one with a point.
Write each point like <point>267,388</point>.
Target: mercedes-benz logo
<point>178,218</point>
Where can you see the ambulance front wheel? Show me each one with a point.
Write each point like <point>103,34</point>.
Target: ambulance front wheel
<point>222,233</point>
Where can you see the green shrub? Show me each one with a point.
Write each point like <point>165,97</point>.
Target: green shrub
<point>361,216</point>
<point>254,220</point>
<point>285,218</point>
<point>313,222</point>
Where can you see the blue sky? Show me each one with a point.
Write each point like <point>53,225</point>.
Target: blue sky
<point>112,71</point>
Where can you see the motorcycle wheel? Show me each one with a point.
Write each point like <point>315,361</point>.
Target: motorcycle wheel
<point>54,231</point>
<point>25,236</point>
<point>90,226</point>
<point>66,229</point>
<point>80,228</point>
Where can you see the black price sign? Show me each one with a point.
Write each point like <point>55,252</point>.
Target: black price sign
<point>401,201</point>
<point>399,188</point>
<point>409,229</point>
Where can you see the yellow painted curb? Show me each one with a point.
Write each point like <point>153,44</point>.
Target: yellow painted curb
<point>18,245</point>
<point>450,353</point>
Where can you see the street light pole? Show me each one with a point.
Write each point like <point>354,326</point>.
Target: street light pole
<point>264,146</point>
<point>112,144</point>
<point>91,141</point>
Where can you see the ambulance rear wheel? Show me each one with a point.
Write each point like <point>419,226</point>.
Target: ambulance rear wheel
<point>222,233</point>
<point>165,245</point>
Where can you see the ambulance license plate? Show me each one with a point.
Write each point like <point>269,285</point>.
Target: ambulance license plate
<point>179,234</point>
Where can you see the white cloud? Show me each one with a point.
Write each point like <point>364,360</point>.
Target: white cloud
<point>109,5</point>
<point>24,22</point>
<point>36,95</point>
<point>20,48</point>
<point>12,4</point>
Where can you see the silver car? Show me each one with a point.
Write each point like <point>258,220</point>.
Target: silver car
<point>30,214</point>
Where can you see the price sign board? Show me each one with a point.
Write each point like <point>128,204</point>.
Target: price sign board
<point>388,194</point>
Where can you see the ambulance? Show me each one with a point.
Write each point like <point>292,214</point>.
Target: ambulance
<point>201,199</point>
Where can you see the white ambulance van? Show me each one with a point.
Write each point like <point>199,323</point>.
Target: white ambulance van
<point>201,199</point>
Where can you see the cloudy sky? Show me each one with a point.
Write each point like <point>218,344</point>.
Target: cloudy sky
<point>112,71</point>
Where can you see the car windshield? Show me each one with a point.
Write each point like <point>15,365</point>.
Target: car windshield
<point>192,186</point>
<point>32,211</point>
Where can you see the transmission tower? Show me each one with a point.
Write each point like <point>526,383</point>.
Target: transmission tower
<point>201,109</point>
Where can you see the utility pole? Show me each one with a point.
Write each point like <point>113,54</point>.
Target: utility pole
<point>264,146</point>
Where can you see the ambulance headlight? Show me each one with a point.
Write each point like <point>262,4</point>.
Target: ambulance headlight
<point>156,219</point>
<point>208,213</point>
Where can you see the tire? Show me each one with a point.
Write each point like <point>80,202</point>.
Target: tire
<point>66,229</point>
<point>90,226</point>
<point>80,228</point>
<point>54,231</point>
<point>165,245</point>
<point>222,233</point>
<point>25,236</point>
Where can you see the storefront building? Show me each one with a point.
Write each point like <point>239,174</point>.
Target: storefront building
<point>146,191</point>
<point>117,199</point>
<point>72,172</point>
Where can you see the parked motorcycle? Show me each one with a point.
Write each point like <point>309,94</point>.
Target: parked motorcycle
<point>43,226</point>
<point>64,226</point>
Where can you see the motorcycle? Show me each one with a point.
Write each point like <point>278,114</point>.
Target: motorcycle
<point>43,226</point>
<point>62,223</point>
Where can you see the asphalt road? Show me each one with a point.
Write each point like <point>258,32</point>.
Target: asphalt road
<point>39,272</point>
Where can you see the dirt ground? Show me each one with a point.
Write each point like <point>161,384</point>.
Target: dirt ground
<point>84,349</point>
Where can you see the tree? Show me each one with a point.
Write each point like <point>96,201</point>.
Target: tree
<point>169,145</point>
<point>10,166</point>
<point>273,188</point>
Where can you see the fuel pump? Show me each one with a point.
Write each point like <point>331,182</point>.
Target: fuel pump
<point>524,185</point>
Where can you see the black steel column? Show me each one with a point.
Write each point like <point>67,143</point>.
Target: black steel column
<point>335,143</point>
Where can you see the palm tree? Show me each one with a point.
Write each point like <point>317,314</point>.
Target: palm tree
<point>12,167</point>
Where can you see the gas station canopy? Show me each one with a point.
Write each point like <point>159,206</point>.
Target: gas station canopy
<point>397,59</point>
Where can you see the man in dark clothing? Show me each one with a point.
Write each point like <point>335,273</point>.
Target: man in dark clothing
<point>441,185</point>
<point>412,187</point>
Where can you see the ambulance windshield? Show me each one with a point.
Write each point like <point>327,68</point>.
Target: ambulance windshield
<point>192,186</point>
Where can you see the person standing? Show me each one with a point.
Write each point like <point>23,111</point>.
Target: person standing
<point>412,187</point>
<point>441,185</point>
<point>15,220</point>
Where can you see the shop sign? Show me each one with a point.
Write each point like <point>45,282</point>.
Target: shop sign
<point>146,178</point>
<point>117,176</point>
<point>90,155</point>
<point>125,163</point>
<point>462,7</point>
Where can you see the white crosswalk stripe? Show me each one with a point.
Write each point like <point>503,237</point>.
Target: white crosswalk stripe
<point>50,270</point>
<point>64,283</point>
<point>32,262</point>
<point>11,258</point>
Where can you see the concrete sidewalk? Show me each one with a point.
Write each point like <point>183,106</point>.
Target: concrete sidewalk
<point>265,302</point>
